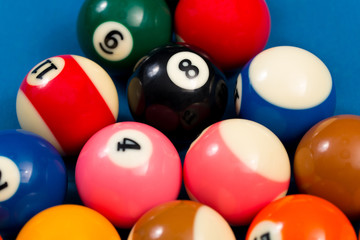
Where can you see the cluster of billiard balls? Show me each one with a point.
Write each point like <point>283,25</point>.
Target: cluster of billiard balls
<point>236,169</point>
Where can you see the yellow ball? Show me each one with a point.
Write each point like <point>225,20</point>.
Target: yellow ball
<point>68,222</point>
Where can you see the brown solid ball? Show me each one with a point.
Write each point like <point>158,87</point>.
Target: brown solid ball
<point>327,162</point>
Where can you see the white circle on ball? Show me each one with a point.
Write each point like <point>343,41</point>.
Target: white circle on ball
<point>290,77</point>
<point>209,224</point>
<point>45,71</point>
<point>267,230</point>
<point>257,147</point>
<point>9,178</point>
<point>187,70</point>
<point>113,41</point>
<point>129,148</point>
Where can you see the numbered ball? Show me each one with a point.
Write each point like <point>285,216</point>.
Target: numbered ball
<point>117,33</point>
<point>66,99</point>
<point>326,162</point>
<point>299,217</point>
<point>237,167</point>
<point>72,222</point>
<point>178,91</point>
<point>181,219</point>
<point>32,178</point>
<point>286,89</point>
<point>125,169</point>
<point>230,31</point>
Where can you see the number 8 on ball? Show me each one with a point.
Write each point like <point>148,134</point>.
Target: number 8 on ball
<point>178,91</point>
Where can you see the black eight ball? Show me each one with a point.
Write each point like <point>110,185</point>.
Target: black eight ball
<point>178,91</point>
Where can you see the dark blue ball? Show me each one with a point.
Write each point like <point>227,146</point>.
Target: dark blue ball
<point>286,89</point>
<point>32,178</point>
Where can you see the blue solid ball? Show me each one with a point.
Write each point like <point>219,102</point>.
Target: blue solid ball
<point>32,178</point>
<point>287,89</point>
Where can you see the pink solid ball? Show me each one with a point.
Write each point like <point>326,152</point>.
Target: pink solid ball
<point>125,169</point>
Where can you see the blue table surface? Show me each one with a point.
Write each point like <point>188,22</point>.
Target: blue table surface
<point>31,31</point>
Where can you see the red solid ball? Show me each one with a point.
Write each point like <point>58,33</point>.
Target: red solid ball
<point>231,32</point>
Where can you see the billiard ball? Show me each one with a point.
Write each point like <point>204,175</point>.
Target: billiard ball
<point>178,91</point>
<point>230,31</point>
<point>181,219</point>
<point>68,221</point>
<point>287,89</point>
<point>299,217</point>
<point>66,99</point>
<point>32,178</point>
<point>326,162</point>
<point>117,33</point>
<point>125,169</point>
<point>237,167</point>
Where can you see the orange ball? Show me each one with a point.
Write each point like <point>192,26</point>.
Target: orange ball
<point>299,217</point>
<point>70,222</point>
<point>327,163</point>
